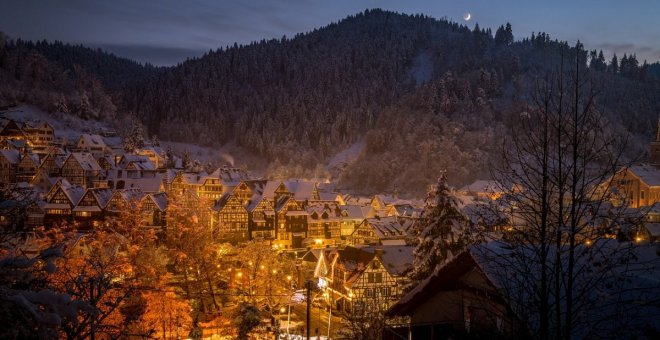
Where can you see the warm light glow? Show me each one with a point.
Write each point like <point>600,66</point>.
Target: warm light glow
<point>288,277</point>
<point>350,295</point>
<point>318,241</point>
<point>587,242</point>
<point>638,239</point>
<point>239,274</point>
<point>262,266</point>
<point>274,271</point>
<point>282,310</point>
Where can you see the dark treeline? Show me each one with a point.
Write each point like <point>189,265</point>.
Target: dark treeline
<point>423,94</point>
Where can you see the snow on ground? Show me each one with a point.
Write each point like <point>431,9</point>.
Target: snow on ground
<point>346,156</point>
<point>66,125</point>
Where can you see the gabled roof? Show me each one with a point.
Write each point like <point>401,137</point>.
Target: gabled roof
<point>102,195</point>
<point>302,190</point>
<point>355,212</point>
<point>86,161</point>
<point>159,199</point>
<point>140,162</point>
<point>129,195</point>
<point>33,125</point>
<point>230,175</point>
<point>11,129</point>
<point>92,140</point>
<point>12,156</point>
<point>73,192</point>
<point>396,259</point>
<point>480,186</point>
<point>385,227</point>
<point>32,158</point>
<point>145,184</point>
<point>647,173</point>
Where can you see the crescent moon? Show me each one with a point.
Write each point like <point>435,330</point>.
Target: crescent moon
<point>467,16</point>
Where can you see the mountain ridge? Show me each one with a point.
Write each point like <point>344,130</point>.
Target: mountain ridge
<point>296,102</point>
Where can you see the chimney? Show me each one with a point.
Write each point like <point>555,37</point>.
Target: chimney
<point>379,253</point>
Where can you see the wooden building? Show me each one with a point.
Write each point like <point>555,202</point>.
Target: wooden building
<point>81,169</point>
<point>377,230</point>
<point>362,281</point>
<point>41,136</point>
<point>9,160</point>
<point>457,301</point>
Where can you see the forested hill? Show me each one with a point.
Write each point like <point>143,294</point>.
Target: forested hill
<point>420,94</point>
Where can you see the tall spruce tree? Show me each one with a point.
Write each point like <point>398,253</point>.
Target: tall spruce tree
<point>439,233</point>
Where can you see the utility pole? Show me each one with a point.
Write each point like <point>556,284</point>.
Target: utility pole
<point>309,306</point>
<point>91,301</point>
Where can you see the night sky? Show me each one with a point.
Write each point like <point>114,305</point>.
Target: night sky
<point>165,32</point>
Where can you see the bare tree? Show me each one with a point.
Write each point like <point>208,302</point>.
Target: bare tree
<point>560,254</point>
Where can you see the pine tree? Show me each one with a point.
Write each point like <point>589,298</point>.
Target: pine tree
<point>614,65</point>
<point>439,232</point>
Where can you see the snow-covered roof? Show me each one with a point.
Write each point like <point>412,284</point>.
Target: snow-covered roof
<point>146,184</point>
<point>130,195</point>
<point>356,212</point>
<point>12,156</point>
<point>386,227</point>
<point>653,229</point>
<point>481,186</point>
<point>73,192</point>
<point>229,175</point>
<point>140,162</point>
<point>301,190</point>
<point>647,173</point>
<point>93,140</point>
<point>86,161</point>
<point>397,259</point>
<point>159,199</point>
<point>102,195</point>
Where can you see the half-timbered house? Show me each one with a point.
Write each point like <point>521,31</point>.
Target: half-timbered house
<point>61,200</point>
<point>377,230</point>
<point>9,160</point>
<point>82,169</point>
<point>360,281</point>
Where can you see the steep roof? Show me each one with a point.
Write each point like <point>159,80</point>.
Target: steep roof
<point>93,140</point>
<point>146,184</point>
<point>102,195</point>
<point>386,227</point>
<point>159,199</point>
<point>480,186</point>
<point>647,173</point>
<point>396,259</point>
<point>73,192</point>
<point>230,175</point>
<point>86,161</point>
<point>12,156</point>
<point>357,212</point>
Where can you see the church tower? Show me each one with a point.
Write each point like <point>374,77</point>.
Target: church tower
<point>654,148</point>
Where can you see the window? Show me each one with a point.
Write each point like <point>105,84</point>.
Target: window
<point>368,292</point>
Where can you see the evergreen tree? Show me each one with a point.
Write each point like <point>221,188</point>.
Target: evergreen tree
<point>439,232</point>
<point>614,65</point>
<point>504,35</point>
